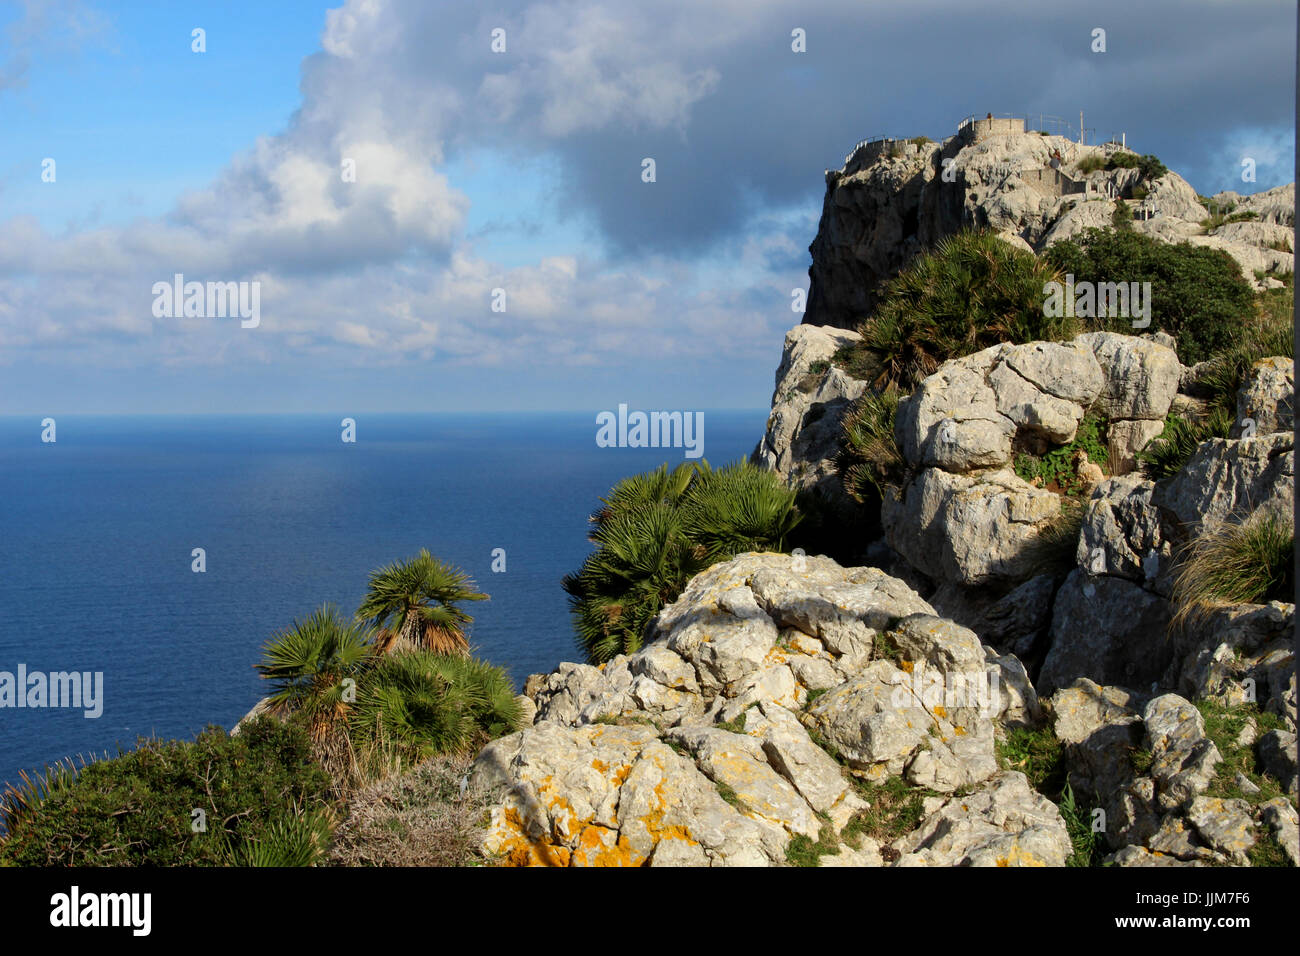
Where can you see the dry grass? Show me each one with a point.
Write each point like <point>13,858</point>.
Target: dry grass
<point>1244,562</point>
<point>419,818</point>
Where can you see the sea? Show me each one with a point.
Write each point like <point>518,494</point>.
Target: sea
<point>99,530</point>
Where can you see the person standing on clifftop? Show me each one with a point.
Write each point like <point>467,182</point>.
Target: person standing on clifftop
<point>1056,159</point>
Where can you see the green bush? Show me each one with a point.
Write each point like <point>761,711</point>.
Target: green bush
<point>1057,469</point>
<point>1147,165</point>
<point>656,531</point>
<point>870,460</point>
<point>136,809</point>
<point>414,705</point>
<point>1091,164</point>
<point>971,291</point>
<point>1122,217</point>
<point>1169,452</point>
<point>1198,294</point>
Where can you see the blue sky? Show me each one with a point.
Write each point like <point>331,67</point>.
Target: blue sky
<point>519,170</point>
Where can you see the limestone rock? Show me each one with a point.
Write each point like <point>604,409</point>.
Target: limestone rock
<point>1141,376</point>
<point>603,795</point>
<point>1277,755</point>
<point>803,431</point>
<point>1267,398</point>
<point>1122,534</point>
<point>1100,728</point>
<point>1005,823</point>
<point>1280,817</point>
<point>1141,856</point>
<point>1229,478</point>
<point>738,762</point>
<point>1183,758</point>
<point>1124,439</point>
<point>1225,826</point>
<point>970,530</point>
<point>872,720</point>
<point>1107,629</point>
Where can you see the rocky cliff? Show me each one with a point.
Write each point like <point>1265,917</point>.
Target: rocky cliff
<point>875,712</point>
<point>784,703</point>
<point>889,201</point>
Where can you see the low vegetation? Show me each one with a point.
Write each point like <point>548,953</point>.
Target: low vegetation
<point>353,704</point>
<point>428,816</point>
<point>656,531</point>
<point>1245,562</point>
<point>1198,295</point>
<point>1225,216</point>
<point>1058,469</point>
<point>870,460</point>
<point>251,799</point>
<point>1170,451</point>
<point>1217,382</point>
<point>1040,756</point>
<point>1224,725</point>
<point>971,291</point>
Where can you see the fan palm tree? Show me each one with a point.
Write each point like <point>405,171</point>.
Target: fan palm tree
<point>414,705</point>
<point>413,605</point>
<point>314,668</point>
<point>656,531</point>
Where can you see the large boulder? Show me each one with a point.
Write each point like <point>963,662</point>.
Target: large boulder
<point>1107,629</point>
<point>969,529</point>
<point>1005,823</point>
<point>1141,375</point>
<point>1227,479</point>
<point>1122,534</point>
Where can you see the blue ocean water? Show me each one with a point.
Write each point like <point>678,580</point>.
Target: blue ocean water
<point>97,530</point>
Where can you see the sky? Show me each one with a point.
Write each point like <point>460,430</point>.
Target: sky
<point>385,177</point>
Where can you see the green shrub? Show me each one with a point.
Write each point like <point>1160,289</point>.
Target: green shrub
<point>658,530</point>
<point>1235,563</point>
<point>1149,166</point>
<point>1122,217</point>
<point>1057,469</point>
<point>971,291</point>
<point>1198,295</point>
<point>1088,845</point>
<point>1225,216</point>
<point>418,704</point>
<point>870,460</point>
<point>801,851</point>
<point>300,840</point>
<point>1037,753</point>
<point>894,810</point>
<point>1091,164</point>
<point>136,809</point>
<point>1169,452</point>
